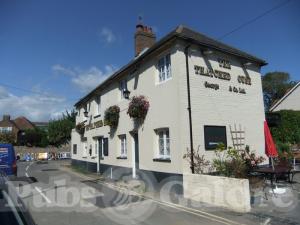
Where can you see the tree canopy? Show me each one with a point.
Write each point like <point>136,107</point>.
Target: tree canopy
<point>275,85</point>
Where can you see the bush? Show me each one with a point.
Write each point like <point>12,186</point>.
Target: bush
<point>111,116</point>
<point>200,164</point>
<point>7,138</point>
<point>138,107</point>
<point>289,129</point>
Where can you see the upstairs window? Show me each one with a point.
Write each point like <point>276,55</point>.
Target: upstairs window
<point>123,145</point>
<point>163,138</point>
<point>123,87</point>
<point>5,129</point>
<point>164,68</point>
<point>98,105</point>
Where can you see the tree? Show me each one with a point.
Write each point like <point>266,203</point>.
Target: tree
<point>275,85</point>
<point>6,138</point>
<point>59,130</point>
<point>35,137</point>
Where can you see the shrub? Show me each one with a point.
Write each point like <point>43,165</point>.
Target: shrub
<point>200,164</point>
<point>138,107</point>
<point>111,116</point>
<point>289,129</point>
<point>6,138</point>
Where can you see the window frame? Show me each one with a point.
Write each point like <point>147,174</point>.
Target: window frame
<point>97,105</point>
<point>74,149</point>
<point>164,68</point>
<point>207,148</point>
<point>123,145</point>
<point>166,143</point>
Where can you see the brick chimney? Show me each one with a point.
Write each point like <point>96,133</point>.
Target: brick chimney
<point>143,37</point>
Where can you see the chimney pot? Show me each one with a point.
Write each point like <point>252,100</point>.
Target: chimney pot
<point>144,38</point>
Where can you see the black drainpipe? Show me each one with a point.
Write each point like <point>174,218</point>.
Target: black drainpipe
<point>186,51</point>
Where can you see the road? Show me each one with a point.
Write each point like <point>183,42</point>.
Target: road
<point>57,196</point>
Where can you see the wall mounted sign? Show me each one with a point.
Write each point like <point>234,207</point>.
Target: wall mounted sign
<point>212,86</point>
<point>237,90</point>
<point>224,63</point>
<point>204,71</point>
<point>94,125</point>
<point>244,80</point>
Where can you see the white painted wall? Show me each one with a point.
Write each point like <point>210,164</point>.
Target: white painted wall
<point>168,108</point>
<point>291,102</point>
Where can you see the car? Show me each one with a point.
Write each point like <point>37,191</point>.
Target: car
<point>12,208</point>
<point>8,163</point>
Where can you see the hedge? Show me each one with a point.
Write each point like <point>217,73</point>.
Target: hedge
<point>288,130</point>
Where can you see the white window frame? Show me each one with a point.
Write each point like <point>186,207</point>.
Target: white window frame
<point>98,105</point>
<point>166,143</point>
<point>96,146</point>
<point>164,68</point>
<point>5,130</point>
<point>123,87</point>
<point>123,145</point>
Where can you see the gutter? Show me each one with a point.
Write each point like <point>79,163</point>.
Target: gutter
<point>189,108</point>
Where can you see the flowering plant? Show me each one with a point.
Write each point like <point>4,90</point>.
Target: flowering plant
<point>138,107</point>
<point>111,116</point>
<point>251,159</point>
<point>80,128</point>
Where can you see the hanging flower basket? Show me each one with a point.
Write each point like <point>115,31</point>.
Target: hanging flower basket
<point>80,128</point>
<point>138,107</point>
<point>111,116</point>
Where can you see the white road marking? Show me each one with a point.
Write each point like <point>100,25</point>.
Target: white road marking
<point>26,174</point>
<point>42,194</point>
<point>27,167</point>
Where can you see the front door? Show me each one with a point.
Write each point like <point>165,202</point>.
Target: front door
<point>135,153</point>
<point>100,146</point>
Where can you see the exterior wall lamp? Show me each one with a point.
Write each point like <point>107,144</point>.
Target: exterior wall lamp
<point>247,64</point>
<point>126,93</point>
<point>85,113</point>
<point>208,52</point>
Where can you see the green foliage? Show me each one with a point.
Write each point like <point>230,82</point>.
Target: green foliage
<point>59,131</point>
<point>35,137</point>
<point>111,116</point>
<point>289,129</point>
<point>275,85</point>
<point>7,138</point>
<point>235,163</point>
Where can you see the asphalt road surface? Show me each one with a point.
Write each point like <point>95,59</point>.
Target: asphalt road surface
<point>56,196</point>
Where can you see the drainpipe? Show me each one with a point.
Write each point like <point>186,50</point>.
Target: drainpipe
<point>186,51</point>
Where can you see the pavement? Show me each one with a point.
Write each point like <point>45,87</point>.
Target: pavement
<point>56,194</point>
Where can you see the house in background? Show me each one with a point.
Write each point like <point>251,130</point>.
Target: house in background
<point>290,101</point>
<point>201,92</point>
<point>18,126</point>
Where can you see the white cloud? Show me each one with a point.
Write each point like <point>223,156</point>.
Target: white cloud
<point>85,80</point>
<point>35,107</point>
<point>107,35</point>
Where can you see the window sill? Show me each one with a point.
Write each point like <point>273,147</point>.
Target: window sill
<point>122,157</point>
<point>97,116</point>
<point>161,160</point>
<point>84,157</point>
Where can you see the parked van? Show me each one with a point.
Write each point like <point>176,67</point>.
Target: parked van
<point>8,163</point>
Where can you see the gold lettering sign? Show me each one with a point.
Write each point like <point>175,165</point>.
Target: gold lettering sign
<point>244,80</point>
<point>224,63</point>
<point>204,71</point>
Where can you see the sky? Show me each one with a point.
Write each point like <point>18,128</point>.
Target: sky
<point>52,52</point>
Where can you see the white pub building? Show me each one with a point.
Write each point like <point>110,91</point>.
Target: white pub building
<point>201,92</point>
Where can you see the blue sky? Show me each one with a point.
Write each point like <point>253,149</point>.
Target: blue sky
<point>58,50</point>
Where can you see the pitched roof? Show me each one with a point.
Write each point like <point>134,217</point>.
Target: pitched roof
<point>184,33</point>
<point>277,103</point>
<point>23,123</point>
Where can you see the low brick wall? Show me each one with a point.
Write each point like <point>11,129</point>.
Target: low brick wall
<point>230,193</point>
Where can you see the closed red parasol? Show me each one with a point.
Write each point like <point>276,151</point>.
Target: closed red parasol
<point>270,148</point>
